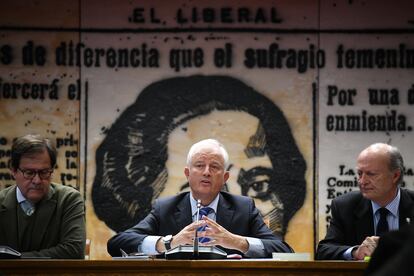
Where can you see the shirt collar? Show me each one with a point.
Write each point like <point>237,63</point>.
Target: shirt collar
<point>392,206</point>
<point>212,205</point>
<point>20,197</point>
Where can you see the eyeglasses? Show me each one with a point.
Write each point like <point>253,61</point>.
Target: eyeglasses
<point>30,174</point>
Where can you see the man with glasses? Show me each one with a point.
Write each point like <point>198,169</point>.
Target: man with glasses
<point>37,217</point>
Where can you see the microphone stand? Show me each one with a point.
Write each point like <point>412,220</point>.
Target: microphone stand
<point>195,244</point>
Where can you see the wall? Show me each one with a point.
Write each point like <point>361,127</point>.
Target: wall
<point>294,89</point>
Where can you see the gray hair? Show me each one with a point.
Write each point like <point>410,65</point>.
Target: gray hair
<point>208,143</point>
<point>396,161</point>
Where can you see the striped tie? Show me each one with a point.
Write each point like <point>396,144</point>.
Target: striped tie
<point>27,207</point>
<point>204,212</point>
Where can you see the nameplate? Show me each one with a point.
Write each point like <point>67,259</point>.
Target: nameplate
<point>291,256</point>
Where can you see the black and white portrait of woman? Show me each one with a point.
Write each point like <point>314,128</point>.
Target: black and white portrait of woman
<point>143,154</point>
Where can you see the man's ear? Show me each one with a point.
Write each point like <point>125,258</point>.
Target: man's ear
<point>396,176</point>
<point>226,176</point>
<point>186,172</point>
<point>13,172</point>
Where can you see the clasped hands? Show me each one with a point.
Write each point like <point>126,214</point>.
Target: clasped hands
<point>218,236</point>
<point>366,248</point>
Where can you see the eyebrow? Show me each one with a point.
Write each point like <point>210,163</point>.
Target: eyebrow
<point>257,142</point>
<point>26,169</point>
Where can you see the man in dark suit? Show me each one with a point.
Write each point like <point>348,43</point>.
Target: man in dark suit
<point>234,223</point>
<point>357,218</point>
<point>37,217</point>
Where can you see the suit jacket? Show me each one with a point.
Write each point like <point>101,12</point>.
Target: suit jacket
<point>237,214</point>
<point>352,221</point>
<point>59,224</point>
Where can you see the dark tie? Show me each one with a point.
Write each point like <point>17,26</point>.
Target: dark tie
<point>382,226</point>
<point>204,212</point>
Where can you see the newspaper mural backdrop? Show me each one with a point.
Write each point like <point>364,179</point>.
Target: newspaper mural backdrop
<point>292,92</point>
<point>365,92</point>
<point>36,95</point>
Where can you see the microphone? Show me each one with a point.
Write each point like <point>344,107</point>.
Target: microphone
<point>195,244</point>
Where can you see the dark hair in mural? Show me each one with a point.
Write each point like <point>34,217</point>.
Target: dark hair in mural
<point>130,162</point>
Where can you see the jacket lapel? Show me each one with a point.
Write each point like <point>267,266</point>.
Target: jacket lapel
<point>8,214</point>
<point>405,209</point>
<point>225,213</point>
<point>182,214</point>
<point>45,210</point>
<point>364,220</point>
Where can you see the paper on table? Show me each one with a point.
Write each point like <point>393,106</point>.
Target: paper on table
<point>291,256</point>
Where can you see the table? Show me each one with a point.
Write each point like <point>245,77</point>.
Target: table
<point>178,267</point>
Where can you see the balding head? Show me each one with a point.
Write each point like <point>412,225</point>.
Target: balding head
<point>380,169</point>
<point>395,160</point>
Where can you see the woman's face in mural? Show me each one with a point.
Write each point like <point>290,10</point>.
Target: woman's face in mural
<point>250,167</point>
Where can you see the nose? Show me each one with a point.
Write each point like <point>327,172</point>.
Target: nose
<point>206,171</point>
<point>36,179</point>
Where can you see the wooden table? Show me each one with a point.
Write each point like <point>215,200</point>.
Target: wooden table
<point>170,267</point>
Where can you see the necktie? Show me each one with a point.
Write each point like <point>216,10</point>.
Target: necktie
<point>204,212</point>
<point>382,226</point>
<point>27,207</point>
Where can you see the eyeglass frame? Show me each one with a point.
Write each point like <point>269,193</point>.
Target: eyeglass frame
<point>36,172</point>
